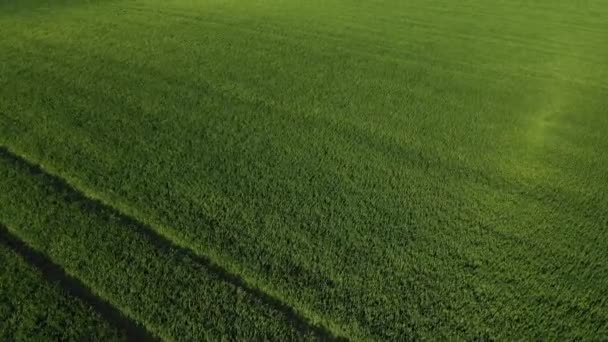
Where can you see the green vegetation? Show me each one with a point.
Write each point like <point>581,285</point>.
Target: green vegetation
<point>363,169</point>
<point>32,309</point>
<point>172,293</point>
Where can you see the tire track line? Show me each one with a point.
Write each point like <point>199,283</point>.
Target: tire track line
<point>299,321</point>
<point>54,273</point>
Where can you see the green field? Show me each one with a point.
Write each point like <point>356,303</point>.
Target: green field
<point>304,170</point>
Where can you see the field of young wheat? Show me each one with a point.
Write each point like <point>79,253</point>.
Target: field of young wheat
<point>289,170</point>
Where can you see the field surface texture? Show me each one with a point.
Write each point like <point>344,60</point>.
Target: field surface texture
<point>303,170</point>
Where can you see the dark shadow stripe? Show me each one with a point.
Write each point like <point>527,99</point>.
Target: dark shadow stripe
<point>53,273</point>
<point>73,195</point>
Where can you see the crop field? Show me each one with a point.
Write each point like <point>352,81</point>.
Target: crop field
<point>303,170</point>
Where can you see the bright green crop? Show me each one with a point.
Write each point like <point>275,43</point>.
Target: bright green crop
<point>372,170</point>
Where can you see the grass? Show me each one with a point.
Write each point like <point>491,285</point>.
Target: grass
<point>370,170</point>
